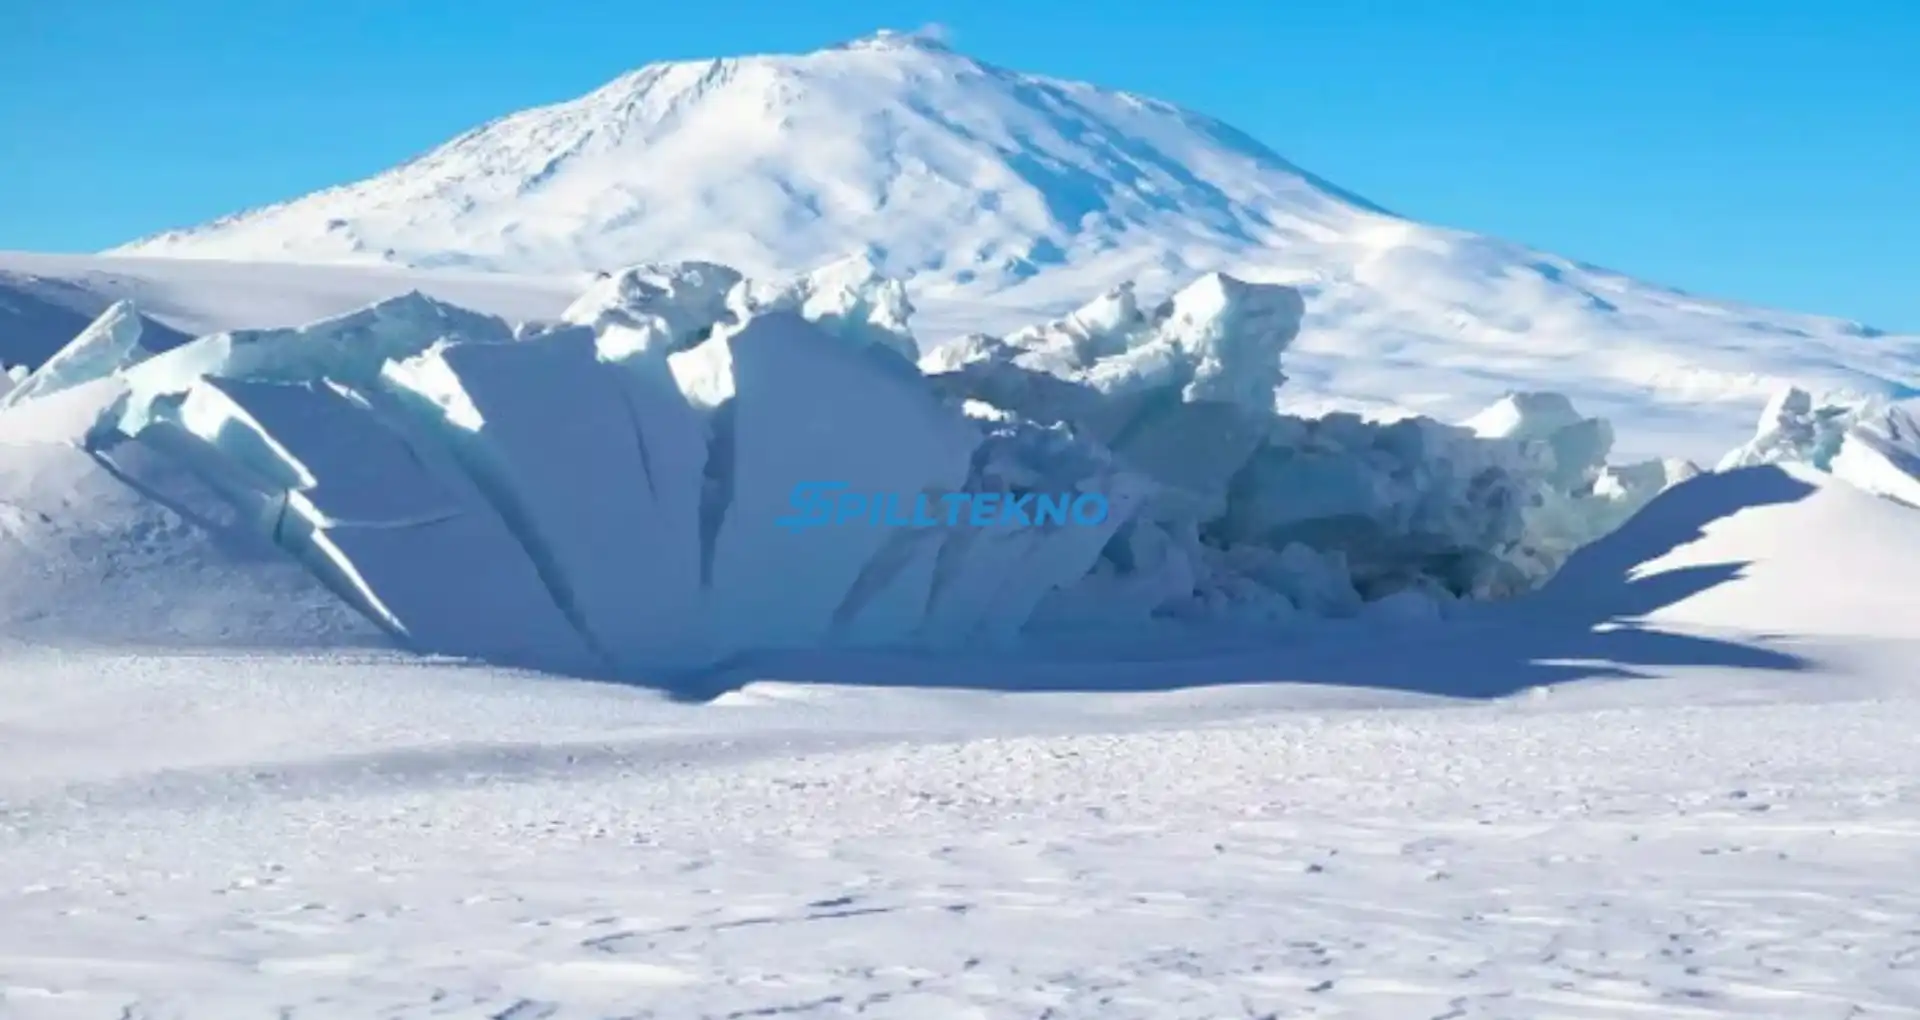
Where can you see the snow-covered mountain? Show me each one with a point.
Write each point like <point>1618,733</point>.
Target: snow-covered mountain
<point>993,189</point>
<point>1256,743</point>
<point>925,159</point>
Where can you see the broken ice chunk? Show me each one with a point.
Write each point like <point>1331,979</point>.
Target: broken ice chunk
<point>1869,443</point>
<point>989,583</point>
<point>1218,339</point>
<point>849,298</point>
<point>654,309</point>
<point>109,344</point>
<point>1574,448</point>
<point>392,528</point>
<point>803,406</point>
<point>595,470</point>
<point>1881,454</point>
<point>348,348</point>
<point>1793,430</point>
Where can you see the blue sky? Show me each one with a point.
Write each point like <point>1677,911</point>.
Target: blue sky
<point>1752,149</point>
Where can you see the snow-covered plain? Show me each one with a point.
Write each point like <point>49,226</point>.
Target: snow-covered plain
<point>1675,781</point>
<point>1708,810</point>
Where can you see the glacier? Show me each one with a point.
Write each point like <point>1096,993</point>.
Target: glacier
<point>599,494</point>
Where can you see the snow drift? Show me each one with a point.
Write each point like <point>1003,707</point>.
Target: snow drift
<point>601,494</point>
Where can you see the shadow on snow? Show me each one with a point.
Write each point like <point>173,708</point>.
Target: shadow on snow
<point>1587,623</point>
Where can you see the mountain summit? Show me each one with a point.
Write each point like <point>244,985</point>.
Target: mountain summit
<point>992,190</point>
<point>930,162</point>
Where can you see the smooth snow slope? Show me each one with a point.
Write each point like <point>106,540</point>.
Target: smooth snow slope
<point>1022,192</point>
<point>1696,821</point>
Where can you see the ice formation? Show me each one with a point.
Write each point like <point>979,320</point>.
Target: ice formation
<point>654,308</point>
<point>1871,444</point>
<point>384,519</point>
<point>601,494</point>
<point>109,344</point>
<point>1258,514</point>
<point>350,349</point>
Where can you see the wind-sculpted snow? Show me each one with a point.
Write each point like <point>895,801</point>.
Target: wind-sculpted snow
<point>1871,444</point>
<point>608,494</point>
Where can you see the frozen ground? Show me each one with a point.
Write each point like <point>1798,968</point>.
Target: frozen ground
<point>1603,802</point>
<point>542,856</point>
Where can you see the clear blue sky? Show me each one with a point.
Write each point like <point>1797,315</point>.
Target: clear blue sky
<point>1754,149</point>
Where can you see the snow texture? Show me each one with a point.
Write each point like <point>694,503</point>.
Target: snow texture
<point>1703,808</point>
<point>1002,198</point>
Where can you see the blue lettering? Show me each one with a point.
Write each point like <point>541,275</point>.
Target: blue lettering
<point>1053,509</point>
<point>852,505</point>
<point>920,517</point>
<point>895,519</point>
<point>810,500</point>
<point>1015,511</point>
<point>984,505</point>
<point>817,504</point>
<point>954,501</point>
<point>1089,509</point>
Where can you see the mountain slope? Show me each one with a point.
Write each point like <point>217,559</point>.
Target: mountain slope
<point>931,160</point>
<point>1006,196</point>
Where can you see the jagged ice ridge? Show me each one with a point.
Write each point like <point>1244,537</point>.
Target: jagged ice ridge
<point>600,494</point>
